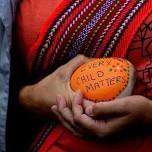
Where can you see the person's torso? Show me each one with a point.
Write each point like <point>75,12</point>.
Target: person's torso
<point>93,28</point>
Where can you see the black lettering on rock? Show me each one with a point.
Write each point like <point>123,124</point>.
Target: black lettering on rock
<point>89,66</point>
<point>87,77</point>
<point>91,77</point>
<point>108,62</point>
<point>89,87</point>
<point>100,73</point>
<point>108,81</point>
<point>96,86</point>
<point>83,79</point>
<point>101,82</point>
<point>112,81</point>
<point>94,65</point>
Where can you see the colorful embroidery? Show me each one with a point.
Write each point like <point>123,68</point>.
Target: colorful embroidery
<point>107,36</point>
<point>43,135</point>
<point>75,30</point>
<point>141,49</point>
<point>52,31</point>
<point>89,27</point>
<point>114,40</point>
<point>79,26</point>
<point>82,36</point>
<point>99,41</point>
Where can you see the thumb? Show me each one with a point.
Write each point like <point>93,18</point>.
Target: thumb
<point>113,108</point>
<point>75,63</point>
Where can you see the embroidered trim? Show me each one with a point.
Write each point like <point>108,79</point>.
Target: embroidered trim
<point>53,30</point>
<point>78,27</point>
<point>68,29</point>
<point>97,29</point>
<point>141,46</point>
<point>81,38</point>
<point>56,53</point>
<point>107,28</point>
<point>124,24</point>
<point>45,133</point>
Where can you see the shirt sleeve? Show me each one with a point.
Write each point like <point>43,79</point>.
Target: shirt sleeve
<point>7,10</point>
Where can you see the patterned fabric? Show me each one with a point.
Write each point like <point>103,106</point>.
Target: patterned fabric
<point>96,28</point>
<point>93,28</point>
<point>141,50</point>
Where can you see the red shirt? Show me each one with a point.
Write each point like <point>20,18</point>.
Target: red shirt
<point>96,29</point>
<point>34,19</point>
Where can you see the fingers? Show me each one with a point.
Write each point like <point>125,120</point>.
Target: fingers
<point>113,108</point>
<point>62,120</point>
<point>86,104</point>
<point>79,116</point>
<point>76,104</point>
<point>116,125</point>
<point>65,115</point>
<point>102,127</point>
<point>64,110</point>
<point>80,123</point>
<point>82,119</point>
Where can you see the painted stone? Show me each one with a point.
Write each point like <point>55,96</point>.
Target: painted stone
<point>104,79</point>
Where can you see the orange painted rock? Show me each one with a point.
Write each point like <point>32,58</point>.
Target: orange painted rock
<point>104,79</point>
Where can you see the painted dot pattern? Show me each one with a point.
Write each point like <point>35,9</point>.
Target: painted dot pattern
<point>101,79</point>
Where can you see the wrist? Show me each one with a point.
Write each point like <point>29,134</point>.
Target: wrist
<point>26,96</point>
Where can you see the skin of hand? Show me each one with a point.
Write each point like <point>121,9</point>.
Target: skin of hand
<point>108,118</point>
<point>39,97</point>
<point>104,119</point>
<point>65,114</point>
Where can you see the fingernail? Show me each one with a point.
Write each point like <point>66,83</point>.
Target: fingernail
<point>89,111</point>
